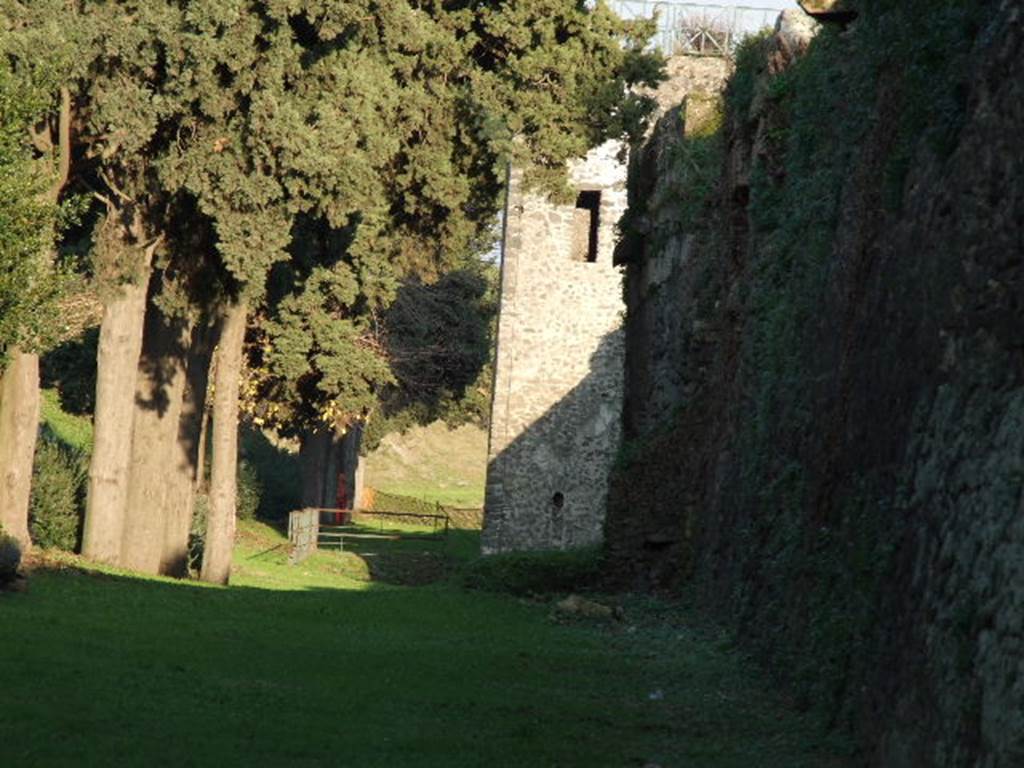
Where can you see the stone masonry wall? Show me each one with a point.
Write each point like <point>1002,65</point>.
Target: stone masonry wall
<point>659,264</point>
<point>556,416</point>
<point>558,375</point>
<point>825,418</point>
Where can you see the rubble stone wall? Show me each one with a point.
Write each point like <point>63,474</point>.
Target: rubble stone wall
<point>824,431</point>
<point>555,420</point>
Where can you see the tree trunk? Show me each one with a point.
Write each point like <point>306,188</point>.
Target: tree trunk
<point>19,382</point>
<point>331,473</point>
<point>350,475</point>
<point>19,425</point>
<point>187,457</point>
<point>220,522</point>
<point>329,476</point>
<point>117,362</point>
<point>204,439</point>
<point>160,387</point>
<point>314,459</point>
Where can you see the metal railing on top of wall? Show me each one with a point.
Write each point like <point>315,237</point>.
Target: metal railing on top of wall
<point>702,29</point>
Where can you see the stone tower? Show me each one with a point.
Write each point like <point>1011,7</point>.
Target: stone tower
<point>555,418</point>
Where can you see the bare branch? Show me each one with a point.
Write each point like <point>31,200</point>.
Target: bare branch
<point>41,138</point>
<point>153,245</point>
<point>64,145</point>
<point>114,188</point>
<point>104,199</point>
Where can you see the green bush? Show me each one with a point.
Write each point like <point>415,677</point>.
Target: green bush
<point>197,533</point>
<point>250,491</point>
<point>524,573</point>
<point>10,556</point>
<point>247,501</point>
<point>57,504</point>
<point>280,480</point>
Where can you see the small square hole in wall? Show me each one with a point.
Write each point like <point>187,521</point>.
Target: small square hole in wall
<point>585,222</point>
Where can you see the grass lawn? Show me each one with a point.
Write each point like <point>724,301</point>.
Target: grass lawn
<point>433,463</point>
<point>73,430</point>
<point>321,664</point>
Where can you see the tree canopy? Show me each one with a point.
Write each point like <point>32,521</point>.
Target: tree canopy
<point>28,212</point>
<point>306,174</point>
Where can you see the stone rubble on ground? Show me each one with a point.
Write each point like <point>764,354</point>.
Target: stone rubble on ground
<point>574,605</point>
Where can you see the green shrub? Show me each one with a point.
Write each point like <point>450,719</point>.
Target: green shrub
<point>247,501</point>
<point>250,490</point>
<point>10,556</point>
<point>197,533</point>
<point>57,503</point>
<point>280,480</point>
<point>524,573</point>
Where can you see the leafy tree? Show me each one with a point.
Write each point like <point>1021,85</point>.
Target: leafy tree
<point>25,216</point>
<point>35,156</point>
<point>479,84</point>
<point>361,148</point>
<point>439,337</point>
<point>384,130</point>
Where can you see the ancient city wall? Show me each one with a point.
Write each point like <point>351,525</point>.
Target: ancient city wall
<point>824,427</point>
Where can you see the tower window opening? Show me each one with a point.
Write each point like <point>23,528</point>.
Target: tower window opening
<point>585,222</point>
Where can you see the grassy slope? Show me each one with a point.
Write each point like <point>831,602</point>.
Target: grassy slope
<point>315,665</point>
<point>433,463</point>
<point>75,431</point>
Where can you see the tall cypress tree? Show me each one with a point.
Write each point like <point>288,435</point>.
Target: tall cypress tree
<point>472,77</point>
<point>385,128</point>
<point>35,157</point>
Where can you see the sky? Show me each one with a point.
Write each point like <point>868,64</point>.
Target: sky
<point>780,4</point>
<point>741,15</point>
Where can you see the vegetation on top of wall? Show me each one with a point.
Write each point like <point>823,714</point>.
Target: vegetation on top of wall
<point>893,85</point>
<point>829,140</point>
<point>688,173</point>
<point>697,163</point>
<point>748,62</point>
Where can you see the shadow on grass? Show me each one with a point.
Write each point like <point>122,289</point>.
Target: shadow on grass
<point>106,668</point>
<point>412,562</point>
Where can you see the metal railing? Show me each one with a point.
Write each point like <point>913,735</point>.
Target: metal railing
<point>701,29</point>
<point>356,526</point>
